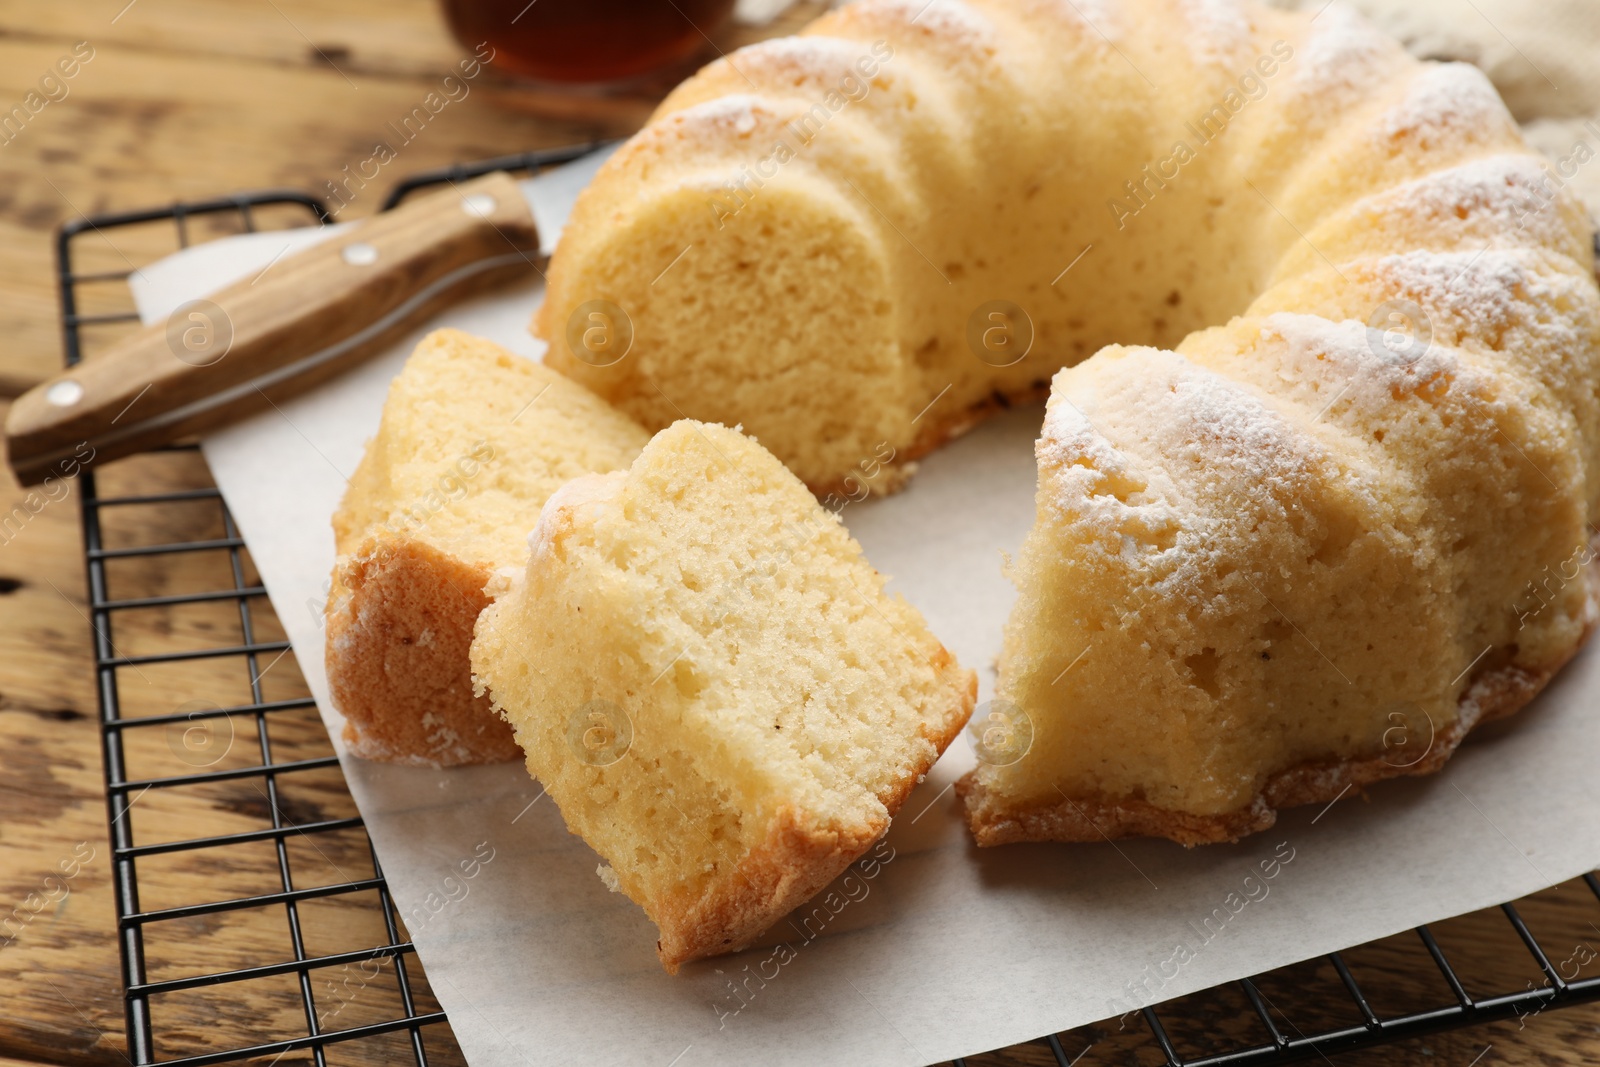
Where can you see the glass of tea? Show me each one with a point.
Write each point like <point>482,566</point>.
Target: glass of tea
<point>587,41</point>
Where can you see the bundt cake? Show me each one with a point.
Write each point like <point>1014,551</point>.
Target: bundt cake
<point>1260,544</point>
<point>472,441</point>
<point>708,678</point>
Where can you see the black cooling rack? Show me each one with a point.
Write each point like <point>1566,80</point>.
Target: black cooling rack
<point>1262,1032</point>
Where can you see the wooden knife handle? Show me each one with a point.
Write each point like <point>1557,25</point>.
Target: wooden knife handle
<point>260,341</point>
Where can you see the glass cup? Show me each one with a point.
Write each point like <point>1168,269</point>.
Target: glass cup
<point>587,42</point>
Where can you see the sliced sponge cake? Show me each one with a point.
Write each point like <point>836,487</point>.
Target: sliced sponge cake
<point>709,679</point>
<point>472,441</point>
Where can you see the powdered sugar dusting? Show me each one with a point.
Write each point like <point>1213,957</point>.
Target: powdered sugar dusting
<point>949,19</point>
<point>1227,427</point>
<point>1317,336</point>
<point>1448,104</point>
<point>1505,300</point>
<point>736,113</point>
<point>1220,30</point>
<point>1087,481</point>
<point>1100,16</point>
<point>1192,418</point>
<point>441,738</point>
<point>1506,197</point>
<point>1068,436</point>
<point>806,57</point>
<point>1479,291</point>
<point>1345,361</point>
<point>1341,61</point>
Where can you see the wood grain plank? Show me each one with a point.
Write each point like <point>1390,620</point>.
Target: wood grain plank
<point>192,98</point>
<point>59,969</point>
<point>361,38</point>
<point>142,129</point>
<point>405,38</point>
<point>59,978</point>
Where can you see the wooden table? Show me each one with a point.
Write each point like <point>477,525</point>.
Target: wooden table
<point>192,98</point>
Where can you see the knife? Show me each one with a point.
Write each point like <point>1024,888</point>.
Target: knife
<point>305,319</point>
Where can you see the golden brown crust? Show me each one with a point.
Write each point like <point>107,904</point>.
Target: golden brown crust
<point>1494,694</point>
<point>966,683</point>
<point>934,434</point>
<point>400,625</point>
<point>1100,820</point>
<point>798,857</point>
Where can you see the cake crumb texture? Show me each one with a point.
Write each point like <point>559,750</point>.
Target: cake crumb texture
<point>709,679</point>
<point>472,441</point>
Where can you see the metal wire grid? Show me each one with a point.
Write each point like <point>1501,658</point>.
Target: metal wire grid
<point>1283,1043</point>
<point>121,791</point>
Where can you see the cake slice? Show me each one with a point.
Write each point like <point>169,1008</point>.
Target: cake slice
<point>710,681</point>
<point>472,441</point>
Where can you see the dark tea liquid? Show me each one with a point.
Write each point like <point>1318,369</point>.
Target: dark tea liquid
<point>586,40</point>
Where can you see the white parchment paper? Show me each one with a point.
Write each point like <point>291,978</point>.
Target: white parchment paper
<point>939,949</point>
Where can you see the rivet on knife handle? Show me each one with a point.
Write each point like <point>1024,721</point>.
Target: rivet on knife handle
<point>255,343</point>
